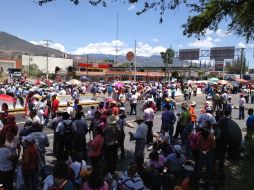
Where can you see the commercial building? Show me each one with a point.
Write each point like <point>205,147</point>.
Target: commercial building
<point>42,62</point>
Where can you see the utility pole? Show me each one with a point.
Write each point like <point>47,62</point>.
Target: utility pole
<point>47,63</point>
<point>135,63</point>
<point>87,65</point>
<point>117,22</point>
<point>241,74</point>
<point>29,69</point>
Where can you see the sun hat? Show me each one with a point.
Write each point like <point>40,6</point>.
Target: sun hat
<point>178,148</point>
<point>112,120</point>
<point>193,103</point>
<point>139,118</point>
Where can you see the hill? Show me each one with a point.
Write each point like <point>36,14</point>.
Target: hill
<point>12,45</point>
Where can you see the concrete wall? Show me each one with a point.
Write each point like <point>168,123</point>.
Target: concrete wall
<point>41,61</point>
<point>7,64</point>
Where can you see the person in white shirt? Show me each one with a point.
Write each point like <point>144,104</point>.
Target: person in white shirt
<point>242,103</point>
<point>133,102</point>
<point>149,116</point>
<point>70,109</point>
<point>78,167</point>
<point>140,137</point>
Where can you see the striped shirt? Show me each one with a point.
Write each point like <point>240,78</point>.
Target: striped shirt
<point>131,183</point>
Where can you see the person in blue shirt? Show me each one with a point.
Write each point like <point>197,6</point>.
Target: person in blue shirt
<point>250,124</point>
<point>250,120</point>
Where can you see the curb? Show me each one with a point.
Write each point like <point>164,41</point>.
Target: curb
<point>22,110</point>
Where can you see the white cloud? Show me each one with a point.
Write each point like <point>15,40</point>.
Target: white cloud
<point>143,49</point>
<point>222,33</point>
<point>243,45</point>
<point>180,45</point>
<point>57,46</point>
<point>208,32</point>
<point>132,7</point>
<point>101,48</point>
<point>217,40</point>
<point>155,40</point>
<point>206,43</point>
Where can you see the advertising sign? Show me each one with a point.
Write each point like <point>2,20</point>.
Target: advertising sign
<point>189,54</point>
<point>221,53</point>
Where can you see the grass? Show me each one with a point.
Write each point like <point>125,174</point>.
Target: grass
<point>240,174</point>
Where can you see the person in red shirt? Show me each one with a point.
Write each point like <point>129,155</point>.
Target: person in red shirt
<point>55,105</point>
<point>114,108</point>
<point>206,145</point>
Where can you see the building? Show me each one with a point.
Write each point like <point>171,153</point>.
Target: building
<point>10,63</point>
<point>41,61</point>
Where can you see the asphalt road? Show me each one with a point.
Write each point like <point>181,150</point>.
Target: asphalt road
<point>129,146</point>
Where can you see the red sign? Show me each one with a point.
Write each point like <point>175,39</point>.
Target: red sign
<point>130,55</point>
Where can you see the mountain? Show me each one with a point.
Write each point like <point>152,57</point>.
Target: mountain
<point>12,45</point>
<point>152,61</point>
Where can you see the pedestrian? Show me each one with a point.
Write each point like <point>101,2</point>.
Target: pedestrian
<point>65,131</point>
<point>6,166</point>
<point>133,102</point>
<point>183,121</point>
<point>168,120</point>
<point>96,147</point>
<point>55,105</point>
<point>149,117</point>
<point>192,113</point>
<point>250,125</point>
<point>42,141</point>
<point>30,163</point>
<point>242,103</point>
<point>140,138</point>
<point>79,138</point>
<point>206,145</point>
<point>111,135</point>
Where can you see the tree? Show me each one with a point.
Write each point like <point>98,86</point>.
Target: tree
<point>175,74</point>
<point>32,69</point>
<point>205,14</point>
<point>167,58</point>
<point>235,66</point>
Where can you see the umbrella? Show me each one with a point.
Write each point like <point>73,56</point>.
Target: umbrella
<point>75,82</point>
<point>84,78</point>
<point>213,79</point>
<point>108,99</point>
<point>6,98</point>
<point>119,84</point>
<point>223,82</point>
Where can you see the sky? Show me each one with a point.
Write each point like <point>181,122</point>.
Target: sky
<point>85,29</point>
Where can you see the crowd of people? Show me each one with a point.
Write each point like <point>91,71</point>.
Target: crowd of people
<point>187,153</point>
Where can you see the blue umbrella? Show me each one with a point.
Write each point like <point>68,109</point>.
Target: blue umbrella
<point>84,78</point>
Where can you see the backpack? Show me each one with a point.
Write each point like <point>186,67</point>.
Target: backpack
<point>67,131</point>
<point>193,140</point>
<point>61,187</point>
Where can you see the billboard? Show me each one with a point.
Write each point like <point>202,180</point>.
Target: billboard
<point>219,65</point>
<point>221,53</point>
<point>189,54</point>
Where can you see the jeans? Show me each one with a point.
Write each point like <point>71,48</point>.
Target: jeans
<point>6,178</point>
<point>133,109</point>
<point>206,160</point>
<point>149,136</point>
<point>111,157</point>
<point>252,99</point>
<point>121,143</point>
<point>241,112</point>
<point>30,179</point>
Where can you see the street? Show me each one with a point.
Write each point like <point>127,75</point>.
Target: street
<point>129,146</point>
